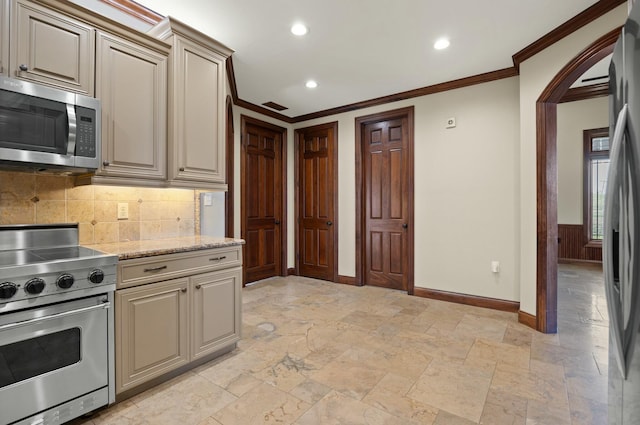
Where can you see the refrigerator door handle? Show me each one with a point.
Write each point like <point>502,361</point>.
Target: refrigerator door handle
<point>612,224</point>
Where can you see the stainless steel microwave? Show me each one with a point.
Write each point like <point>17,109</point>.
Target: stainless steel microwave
<point>46,128</point>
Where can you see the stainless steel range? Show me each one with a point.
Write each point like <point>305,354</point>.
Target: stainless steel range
<point>56,325</point>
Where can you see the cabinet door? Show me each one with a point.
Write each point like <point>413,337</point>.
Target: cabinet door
<point>4,38</point>
<point>198,128</point>
<point>151,331</point>
<point>131,82</point>
<point>215,311</point>
<point>51,48</point>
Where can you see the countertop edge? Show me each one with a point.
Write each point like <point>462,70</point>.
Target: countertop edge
<point>153,248</point>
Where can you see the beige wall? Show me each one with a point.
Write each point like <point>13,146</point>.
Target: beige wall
<point>573,119</point>
<point>466,195</point>
<point>30,198</point>
<point>535,74</point>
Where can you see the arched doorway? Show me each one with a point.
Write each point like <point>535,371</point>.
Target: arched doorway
<point>547,178</point>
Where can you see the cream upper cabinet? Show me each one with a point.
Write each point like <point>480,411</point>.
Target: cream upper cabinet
<point>4,38</point>
<point>196,145</point>
<point>51,48</point>
<point>131,82</point>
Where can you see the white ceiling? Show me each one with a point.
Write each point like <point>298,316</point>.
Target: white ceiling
<point>362,49</point>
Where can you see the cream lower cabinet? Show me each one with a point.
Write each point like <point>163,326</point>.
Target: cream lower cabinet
<point>152,329</point>
<point>162,325</point>
<point>215,316</point>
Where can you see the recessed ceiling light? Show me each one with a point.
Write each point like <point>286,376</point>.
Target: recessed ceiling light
<point>440,44</point>
<point>311,84</point>
<point>299,29</point>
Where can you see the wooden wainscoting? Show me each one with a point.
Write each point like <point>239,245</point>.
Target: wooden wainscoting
<point>572,244</point>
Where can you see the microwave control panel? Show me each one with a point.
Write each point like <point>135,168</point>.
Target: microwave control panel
<point>85,132</point>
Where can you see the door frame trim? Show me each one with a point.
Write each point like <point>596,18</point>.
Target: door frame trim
<point>547,177</point>
<point>244,120</point>
<point>360,123</point>
<point>230,154</point>
<point>335,188</point>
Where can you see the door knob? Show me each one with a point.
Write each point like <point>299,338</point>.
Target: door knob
<point>329,223</point>
<point>277,221</point>
<point>405,225</point>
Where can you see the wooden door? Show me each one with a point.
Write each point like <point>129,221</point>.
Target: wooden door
<point>387,199</point>
<point>317,201</point>
<point>263,199</point>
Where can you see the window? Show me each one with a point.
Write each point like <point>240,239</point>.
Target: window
<point>596,168</point>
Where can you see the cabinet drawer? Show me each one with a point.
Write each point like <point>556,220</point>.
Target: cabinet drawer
<point>162,267</point>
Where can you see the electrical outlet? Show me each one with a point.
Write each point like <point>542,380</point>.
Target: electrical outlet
<point>123,210</point>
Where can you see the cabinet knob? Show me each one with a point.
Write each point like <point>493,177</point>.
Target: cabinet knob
<point>184,289</point>
<point>329,223</point>
<point>181,168</point>
<point>105,163</point>
<point>23,67</point>
<point>198,286</point>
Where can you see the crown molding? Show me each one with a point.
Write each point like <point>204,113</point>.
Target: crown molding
<point>136,10</point>
<point>580,20</point>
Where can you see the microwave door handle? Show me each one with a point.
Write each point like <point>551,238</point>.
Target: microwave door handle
<point>73,128</point>
<point>611,223</point>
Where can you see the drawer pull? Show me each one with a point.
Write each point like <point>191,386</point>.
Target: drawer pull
<point>198,286</point>
<point>218,258</point>
<point>184,289</point>
<point>155,269</point>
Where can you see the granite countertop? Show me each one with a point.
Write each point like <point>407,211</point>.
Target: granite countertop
<point>150,248</point>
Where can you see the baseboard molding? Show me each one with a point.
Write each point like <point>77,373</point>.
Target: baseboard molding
<point>347,280</point>
<point>527,319</point>
<point>291,272</point>
<point>492,303</point>
<point>575,261</point>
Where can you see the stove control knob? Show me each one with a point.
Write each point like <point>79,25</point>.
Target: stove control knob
<point>34,286</point>
<point>65,281</point>
<point>96,276</point>
<point>8,290</point>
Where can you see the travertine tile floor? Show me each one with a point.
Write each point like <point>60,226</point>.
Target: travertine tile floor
<point>321,353</point>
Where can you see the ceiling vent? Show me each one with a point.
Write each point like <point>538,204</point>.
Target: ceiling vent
<point>274,105</point>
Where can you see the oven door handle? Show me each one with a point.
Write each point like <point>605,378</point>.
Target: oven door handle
<point>8,326</point>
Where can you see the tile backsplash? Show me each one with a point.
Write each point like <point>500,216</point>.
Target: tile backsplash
<point>154,213</point>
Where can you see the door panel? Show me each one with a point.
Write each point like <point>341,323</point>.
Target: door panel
<point>386,204</point>
<point>262,188</point>
<point>317,191</point>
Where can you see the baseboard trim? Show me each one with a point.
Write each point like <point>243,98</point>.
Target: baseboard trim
<point>492,303</point>
<point>291,272</point>
<point>576,261</point>
<point>347,280</point>
<point>527,319</point>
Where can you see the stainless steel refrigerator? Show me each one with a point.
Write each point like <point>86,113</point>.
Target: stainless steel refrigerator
<point>621,244</point>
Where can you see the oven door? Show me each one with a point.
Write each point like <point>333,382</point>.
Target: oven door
<point>52,354</point>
